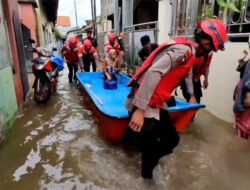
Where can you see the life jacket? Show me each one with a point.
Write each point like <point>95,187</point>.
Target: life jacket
<point>200,65</point>
<point>116,47</point>
<point>71,55</point>
<point>170,80</point>
<point>88,53</point>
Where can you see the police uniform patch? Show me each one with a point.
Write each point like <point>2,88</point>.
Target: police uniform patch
<point>181,60</point>
<point>184,58</point>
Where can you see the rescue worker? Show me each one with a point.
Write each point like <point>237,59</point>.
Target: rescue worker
<point>153,84</point>
<point>89,56</point>
<point>73,55</point>
<point>112,44</point>
<point>201,67</point>
<point>147,48</point>
<point>93,40</point>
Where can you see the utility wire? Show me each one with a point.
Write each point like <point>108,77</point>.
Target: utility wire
<point>69,6</point>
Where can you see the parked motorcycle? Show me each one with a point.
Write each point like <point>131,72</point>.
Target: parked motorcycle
<point>45,68</point>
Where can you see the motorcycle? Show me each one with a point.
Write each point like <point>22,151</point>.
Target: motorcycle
<point>46,68</point>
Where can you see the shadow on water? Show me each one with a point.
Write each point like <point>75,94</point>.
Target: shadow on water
<point>59,145</point>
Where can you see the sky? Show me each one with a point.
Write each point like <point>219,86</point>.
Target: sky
<point>83,9</point>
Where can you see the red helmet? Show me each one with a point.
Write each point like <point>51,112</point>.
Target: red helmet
<point>215,29</point>
<point>73,40</point>
<point>87,44</point>
<point>111,36</point>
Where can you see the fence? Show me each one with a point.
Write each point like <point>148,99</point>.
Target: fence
<point>132,44</point>
<point>186,14</point>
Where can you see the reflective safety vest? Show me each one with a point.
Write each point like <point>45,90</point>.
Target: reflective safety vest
<point>116,47</point>
<point>200,65</point>
<point>86,53</point>
<point>170,80</point>
<point>71,55</point>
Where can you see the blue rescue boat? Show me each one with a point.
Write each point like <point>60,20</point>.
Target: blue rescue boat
<point>110,104</point>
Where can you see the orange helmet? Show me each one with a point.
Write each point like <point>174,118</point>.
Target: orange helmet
<point>73,40</point>
<point>215,30</point>
<point>111,36</point>
<point>87,43</point>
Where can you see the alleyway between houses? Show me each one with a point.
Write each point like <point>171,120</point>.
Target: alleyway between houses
<point>58,146</point>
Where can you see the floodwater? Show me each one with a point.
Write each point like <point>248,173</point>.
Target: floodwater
<point>58,146</point>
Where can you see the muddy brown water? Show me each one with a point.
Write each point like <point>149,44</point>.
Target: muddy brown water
<point>58,146</point>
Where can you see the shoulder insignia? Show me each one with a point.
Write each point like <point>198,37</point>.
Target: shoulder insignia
<point>170,41</point>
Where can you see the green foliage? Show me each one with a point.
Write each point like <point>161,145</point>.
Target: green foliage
<point>99,20</point>
<point>222,3</point>
<point>58,34</point>
<point>230,5</point>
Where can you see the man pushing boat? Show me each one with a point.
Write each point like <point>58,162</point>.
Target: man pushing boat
<point>153,84</point>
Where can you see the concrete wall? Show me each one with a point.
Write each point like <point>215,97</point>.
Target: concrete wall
<point>109,7</point>
<point>28,18</point>
<point>127,13</point>
<point>8,8</point>
<point>223,78</point>
<point>63,30</point>
<point>8,104</point>
<point>47,37</point>
<point>164,20</point>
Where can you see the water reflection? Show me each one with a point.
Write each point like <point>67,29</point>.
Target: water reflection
<point>58,146</point>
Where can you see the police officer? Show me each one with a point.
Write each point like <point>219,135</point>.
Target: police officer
<point>153,84</point>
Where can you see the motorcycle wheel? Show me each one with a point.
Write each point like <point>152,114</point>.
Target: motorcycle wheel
<point>42,90</point>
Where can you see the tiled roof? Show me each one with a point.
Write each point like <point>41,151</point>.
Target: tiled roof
<point>63,21</point>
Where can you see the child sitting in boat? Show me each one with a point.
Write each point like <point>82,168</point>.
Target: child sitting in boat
<point>242,98</point>
<point>111,68</point>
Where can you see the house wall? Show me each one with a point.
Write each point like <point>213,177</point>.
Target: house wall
<point>63,30</point>
<point>164,20</point>
<point>28,18</point>
<point>8,101</point>
<point>8,8</point>
<point>223,78</point>
<point>109,7</point>
<point>46,35</point>
<point>127,13</point>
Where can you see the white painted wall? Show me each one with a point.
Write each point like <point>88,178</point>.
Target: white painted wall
<point>164,20</point>
<point>223,78</point>
<point>63,30</point>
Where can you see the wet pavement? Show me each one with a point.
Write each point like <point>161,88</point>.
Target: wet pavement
<point>58,146</point>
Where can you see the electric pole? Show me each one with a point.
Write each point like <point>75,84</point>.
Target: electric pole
<point>93,12</point>
<point>76,16</point>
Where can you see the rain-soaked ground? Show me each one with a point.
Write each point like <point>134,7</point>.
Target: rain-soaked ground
<point>58,146</point>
